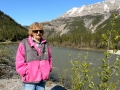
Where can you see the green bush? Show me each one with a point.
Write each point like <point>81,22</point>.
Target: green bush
<point>83,76</point>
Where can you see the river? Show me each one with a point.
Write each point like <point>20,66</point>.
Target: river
<point>61,58</point>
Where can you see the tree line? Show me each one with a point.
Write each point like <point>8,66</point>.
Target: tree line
<point>10,30</point>
<point>83,40</point>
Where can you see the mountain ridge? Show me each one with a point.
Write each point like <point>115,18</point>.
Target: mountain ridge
<point>89,16</point>
<point>93,9</point>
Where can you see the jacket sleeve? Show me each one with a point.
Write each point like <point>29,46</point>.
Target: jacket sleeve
<point>50,57</point>
<point>21,66</point>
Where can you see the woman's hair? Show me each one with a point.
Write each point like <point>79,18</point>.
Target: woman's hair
<point>33,26</point>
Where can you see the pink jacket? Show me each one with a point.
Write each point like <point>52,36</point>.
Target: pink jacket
<point>33,71</point>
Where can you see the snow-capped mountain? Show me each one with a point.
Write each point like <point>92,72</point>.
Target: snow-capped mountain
<point>91,17</point>
<point>93,9</point>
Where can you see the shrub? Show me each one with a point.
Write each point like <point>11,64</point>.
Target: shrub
<point>82,77</point>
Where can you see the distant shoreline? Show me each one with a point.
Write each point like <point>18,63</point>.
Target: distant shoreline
<point>90,49</point>
<point>8,43</point>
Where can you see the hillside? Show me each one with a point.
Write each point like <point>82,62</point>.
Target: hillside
<point>88,23</point>
<point>93,17</point>
<point>10,30</point>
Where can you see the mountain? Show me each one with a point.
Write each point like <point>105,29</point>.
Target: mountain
<point>91,17</point>
<point>93,9</point>
<point>10,30</point>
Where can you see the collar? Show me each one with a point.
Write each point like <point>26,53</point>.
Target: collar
<point>32,42</point>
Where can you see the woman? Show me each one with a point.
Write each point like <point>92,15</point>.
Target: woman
<point>34,59</point>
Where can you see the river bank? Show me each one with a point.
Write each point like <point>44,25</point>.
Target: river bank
<point>11,80</point>
<point>2,43</point>
<point>16,84</point>
<point>82,48</point>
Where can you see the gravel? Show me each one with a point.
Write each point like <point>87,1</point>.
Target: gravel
<point>16,84</point>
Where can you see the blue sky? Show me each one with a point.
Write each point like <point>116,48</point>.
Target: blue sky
<point>25,12</point>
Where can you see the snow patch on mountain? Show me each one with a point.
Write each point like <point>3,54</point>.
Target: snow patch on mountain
<point>92,9</point>
<point>70,12</point>
<point>81,9</point>
<point>111,1</point>
<point>106,8</point>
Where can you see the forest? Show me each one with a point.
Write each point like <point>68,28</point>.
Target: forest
<point>10,30</point>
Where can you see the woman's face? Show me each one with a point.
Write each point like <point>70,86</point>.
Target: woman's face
<point>37,33</point>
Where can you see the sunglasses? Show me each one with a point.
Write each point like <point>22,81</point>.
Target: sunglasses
<point>36,31</point>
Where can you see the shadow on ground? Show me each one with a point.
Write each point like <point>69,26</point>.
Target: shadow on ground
<point>57,87</point>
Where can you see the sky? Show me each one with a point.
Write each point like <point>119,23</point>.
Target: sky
<point>26,12</point>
